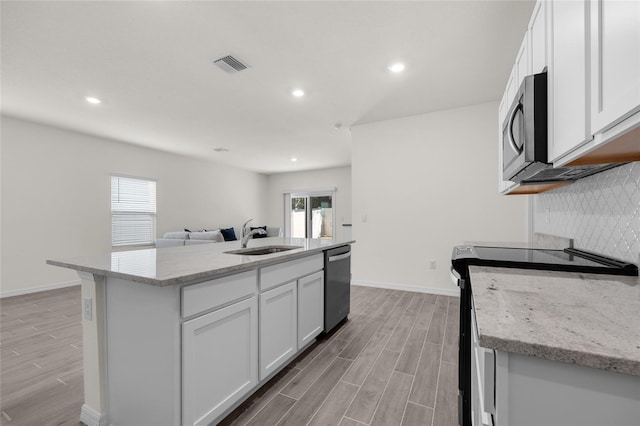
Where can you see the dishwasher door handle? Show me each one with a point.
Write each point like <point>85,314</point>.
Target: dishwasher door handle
<point>339,257</point>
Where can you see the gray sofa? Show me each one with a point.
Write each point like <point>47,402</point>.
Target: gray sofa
<point>180,238</point>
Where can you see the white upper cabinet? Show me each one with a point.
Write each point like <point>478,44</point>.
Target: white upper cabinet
<point>615,61</point>
<point>537,33</point>
<point>522,64</point>
<point>568,77</point>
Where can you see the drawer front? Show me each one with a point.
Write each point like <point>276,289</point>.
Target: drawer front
<point>272,276</point>
<point>209,295</point>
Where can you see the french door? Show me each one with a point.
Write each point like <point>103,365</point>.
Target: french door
<point>310,214</point>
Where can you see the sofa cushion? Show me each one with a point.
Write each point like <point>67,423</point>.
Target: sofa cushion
<point>229,234</point>
<point>264,228</point>
<point>176,235</point>
<point>212,235</point>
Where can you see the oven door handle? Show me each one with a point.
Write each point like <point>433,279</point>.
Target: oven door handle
<point>512,141</point>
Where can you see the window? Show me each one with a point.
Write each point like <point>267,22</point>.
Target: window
<point>310,214</point>
<point>133,211</point>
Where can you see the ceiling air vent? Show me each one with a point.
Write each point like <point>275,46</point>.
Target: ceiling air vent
<point>229,64</point>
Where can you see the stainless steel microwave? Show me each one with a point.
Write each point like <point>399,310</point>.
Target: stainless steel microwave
<point>524,132</point>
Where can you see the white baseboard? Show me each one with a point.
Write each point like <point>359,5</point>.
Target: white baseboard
<point>392,286</point>
<point>91,417</point>
<point>21,291</point>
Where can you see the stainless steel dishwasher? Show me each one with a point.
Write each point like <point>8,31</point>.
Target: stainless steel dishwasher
<point>337,286</point>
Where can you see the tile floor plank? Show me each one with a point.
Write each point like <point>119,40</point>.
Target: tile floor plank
<point>258,400</point>
<point>392,404</point>
<point>315,369</point>
<point>424,387</point>
<point>410,355</point>
<point>365,402</point>
<point>417,415</point>
<point>438,321</point>
<point>334,407</point>
<point>363,363</point>
<point>273,411</point>
<point>305,408</point>
<point>446,409</point>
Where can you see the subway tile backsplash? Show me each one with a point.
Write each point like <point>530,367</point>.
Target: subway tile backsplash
<point>601,213</point>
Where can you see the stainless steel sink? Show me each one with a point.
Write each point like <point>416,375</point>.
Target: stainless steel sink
<point>256,251</point>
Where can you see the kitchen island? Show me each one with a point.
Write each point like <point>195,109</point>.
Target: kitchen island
<point>554,347</point>
<point>183,335</point>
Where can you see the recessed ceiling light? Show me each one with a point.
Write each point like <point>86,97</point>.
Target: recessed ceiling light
<point>298,93</point>
<point>396,68</point>
<point>220,149</point>
<point>294,159</point>
<point>92,100</point>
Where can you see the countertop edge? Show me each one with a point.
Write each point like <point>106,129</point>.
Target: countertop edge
<point>200,276</point>
<point>584,359</point>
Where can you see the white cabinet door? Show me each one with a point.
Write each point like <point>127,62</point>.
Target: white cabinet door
<point>310,308</point>
<point>522,63</point>
<point>568,77</point>
<point>219,360</point>
<point>538,38</point>
<point>278,327</point>
<point>615,61</point>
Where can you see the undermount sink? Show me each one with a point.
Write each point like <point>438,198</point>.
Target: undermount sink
<point>255,251</point>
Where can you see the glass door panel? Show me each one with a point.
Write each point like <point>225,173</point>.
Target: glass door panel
<point>298,217</point>
<point>310,215</point>
<point>321,216</point>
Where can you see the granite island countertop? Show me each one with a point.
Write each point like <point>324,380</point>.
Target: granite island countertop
<point>187,264</point>
<point>584,319</point>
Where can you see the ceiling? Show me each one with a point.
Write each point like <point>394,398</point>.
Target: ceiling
<point>150,62</point>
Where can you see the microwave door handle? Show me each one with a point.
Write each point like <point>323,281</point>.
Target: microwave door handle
<point>512,142</point>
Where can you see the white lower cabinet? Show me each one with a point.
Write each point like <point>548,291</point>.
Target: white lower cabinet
<point>310,308</point>
<point>278,327</point>
<point>219,360</point>
<point>509,389</point>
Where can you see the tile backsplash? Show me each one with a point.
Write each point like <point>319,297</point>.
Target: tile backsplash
<point>601,213</point>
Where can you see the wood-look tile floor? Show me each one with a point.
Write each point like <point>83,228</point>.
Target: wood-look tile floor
<point>393,363</point>
<point>41,380</point>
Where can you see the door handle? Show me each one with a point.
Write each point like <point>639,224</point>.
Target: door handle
<point>512,142</point>
<point>339,257</point>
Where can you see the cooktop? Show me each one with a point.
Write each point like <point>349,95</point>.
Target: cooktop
<point>570,260</point>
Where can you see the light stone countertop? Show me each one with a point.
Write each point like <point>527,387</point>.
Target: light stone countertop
<point>186,264</point>
<point>584,319</point>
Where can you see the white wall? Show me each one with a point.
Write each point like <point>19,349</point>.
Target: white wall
<point>427,183</point>
<point>56,197</point>
<point>339,178</point>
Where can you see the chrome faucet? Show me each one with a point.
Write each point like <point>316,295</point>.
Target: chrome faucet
<point>247,234</point>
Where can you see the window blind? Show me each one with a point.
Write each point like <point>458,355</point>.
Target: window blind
<point>133,211</point>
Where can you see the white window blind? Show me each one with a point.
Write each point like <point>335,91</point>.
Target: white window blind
<point>133,211</point>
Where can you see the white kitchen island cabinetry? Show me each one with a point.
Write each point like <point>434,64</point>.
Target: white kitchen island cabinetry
<point>219,360</point>
<point>291,299</point>
<point>310,308</point>
<point>183,335</point>
<point>278,327</point>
